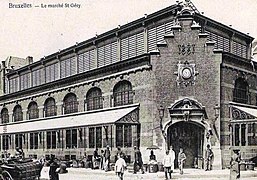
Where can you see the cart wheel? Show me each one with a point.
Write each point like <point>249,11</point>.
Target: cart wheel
<point>6,176</point>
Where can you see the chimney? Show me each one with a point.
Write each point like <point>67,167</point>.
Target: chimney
<point>29,59</point>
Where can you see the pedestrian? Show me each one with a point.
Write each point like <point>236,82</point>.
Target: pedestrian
<point>54,170</point>
<point>138,163</point>
<point>96,159</point>
<point>167,163</point>
<point>107,157</point>
<point>181,160</point>
<point>234,165</point>
<point>120,166</point>
<point>102,160</point>
<point>119,152</point>
<point>173,156</point>
<point>208,158</point>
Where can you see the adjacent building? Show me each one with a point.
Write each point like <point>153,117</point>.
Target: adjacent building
<point>174,77</point>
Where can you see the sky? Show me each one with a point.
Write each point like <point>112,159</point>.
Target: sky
<point>39,31</point>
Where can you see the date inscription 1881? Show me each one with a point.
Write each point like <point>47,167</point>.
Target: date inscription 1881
<point>186,49</point>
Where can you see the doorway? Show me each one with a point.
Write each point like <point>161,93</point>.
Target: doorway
<point>190,137</point>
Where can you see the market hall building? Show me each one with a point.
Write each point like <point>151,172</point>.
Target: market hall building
<point>174,77</point>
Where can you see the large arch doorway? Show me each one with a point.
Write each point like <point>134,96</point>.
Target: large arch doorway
<point>190,137</point>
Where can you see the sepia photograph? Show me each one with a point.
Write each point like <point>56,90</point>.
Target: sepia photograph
<point>128,89</point>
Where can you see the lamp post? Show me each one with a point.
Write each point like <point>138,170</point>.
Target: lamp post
<point>216,111</point>
<point>161,115</point>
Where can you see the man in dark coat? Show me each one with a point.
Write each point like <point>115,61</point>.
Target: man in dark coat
<point>138,160</point>
<point>107,157</point>
<point>53,171</point>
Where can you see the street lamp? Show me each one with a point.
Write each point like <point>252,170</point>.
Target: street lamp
<point>216,111</point>
<point>161,115</point>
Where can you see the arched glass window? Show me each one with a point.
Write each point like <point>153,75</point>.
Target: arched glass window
<point>4,115</point>
<point>240,94</point>
<point>17,113</point>
<point>33,110</point>
<point>122,93</point>
<point>94,99</point>
<point>50,107</point>
<point>70,104</point>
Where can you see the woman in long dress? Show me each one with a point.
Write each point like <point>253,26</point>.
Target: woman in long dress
<point>234,165</point>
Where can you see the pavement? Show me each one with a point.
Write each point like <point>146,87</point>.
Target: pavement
<point>89,174</point>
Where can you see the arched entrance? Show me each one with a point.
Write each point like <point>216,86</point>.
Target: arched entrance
<point>190,137</point>
<point>187,129</point>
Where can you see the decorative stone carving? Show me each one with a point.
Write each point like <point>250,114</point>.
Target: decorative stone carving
<point>186,73</point>
<point>240,115</point>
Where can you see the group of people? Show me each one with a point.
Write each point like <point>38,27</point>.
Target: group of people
<point>168,162</point>
<point>102,161</point>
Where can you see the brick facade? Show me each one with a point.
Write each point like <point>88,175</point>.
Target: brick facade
<point>156,79</point>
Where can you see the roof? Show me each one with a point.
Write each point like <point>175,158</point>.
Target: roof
<point>98,117</point>
<point>127,27</point>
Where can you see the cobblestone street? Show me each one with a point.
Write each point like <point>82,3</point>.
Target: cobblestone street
<point>81,173</point>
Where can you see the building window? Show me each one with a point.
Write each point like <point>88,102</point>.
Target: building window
<point>122,93</point>
<point>243,138</point>
<point>51,140</point>
<point>70,104</point>
<point>71,138</point>
<point>156,34</point>
<point>252,139</point>
<point>241,91</point>
<point>94,99</point>
<point>25,81</point>
<point>17,113</point>
<point>107,54</point>
<point>4,115</point>
<point>124,135</point>
<point>86,61</point>
<point>95,137</point>
<point>50,107</point>
<point>33,141</point>
<point>68,67</point>
<point>14,84</point>
<point>5,144</point>
<point>237,127</point>
<point>99,137</point>
<point>18,140</point>
<point>33,110</point>
<point>91,137</point>
<point>52,72</point>
<point>38,77</point>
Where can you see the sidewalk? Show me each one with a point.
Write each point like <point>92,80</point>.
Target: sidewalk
<point>82,173</point>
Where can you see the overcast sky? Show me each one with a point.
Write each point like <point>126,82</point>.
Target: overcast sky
<point>40,32</point>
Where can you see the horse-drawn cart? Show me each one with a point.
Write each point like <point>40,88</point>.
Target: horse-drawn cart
<point>18,169</point>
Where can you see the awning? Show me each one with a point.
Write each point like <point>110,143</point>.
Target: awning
<point>247,110</point>
<point>244,113</point>
<point>127,114</point>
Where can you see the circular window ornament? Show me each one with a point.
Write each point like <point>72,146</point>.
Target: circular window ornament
<point>186,73</point>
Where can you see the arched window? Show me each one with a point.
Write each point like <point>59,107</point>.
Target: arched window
<point>17,113</point>
<point>94,99</point>
<point>122,93</point>
<point>4,115</point>
<point>70,104</point>
<point>33,110</point>
<point>50,107</point>
<point>240,94</point>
